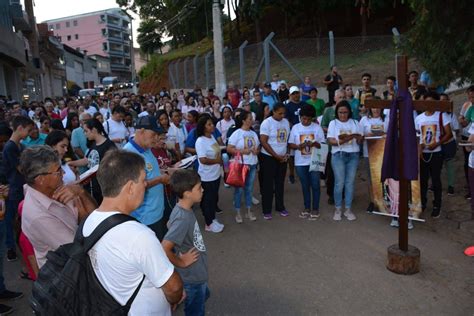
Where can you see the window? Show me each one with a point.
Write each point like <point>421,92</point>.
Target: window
<point>69,38</point>
<point>51,27</point>
<point>102,18</point>
<point>104,32</point>
<point>59,38</point>
<point>58,26</point>
<point>74,22</point>
<point>104,46</point>
<point>76,36</point>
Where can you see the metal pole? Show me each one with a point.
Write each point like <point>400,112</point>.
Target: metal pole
<point>241,63</point>
<point>259,70</point>
<point>170,71</point>
<point>331,49</point>
<point>177,74</point>
<point>396,36</point>
<point>286,62</point>
<point>185,72</point>
<point>206,65</point>
<point>219,71</point>
<point>195,68</point>
<point>266,55</point>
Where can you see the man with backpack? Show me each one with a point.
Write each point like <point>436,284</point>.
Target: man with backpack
<point>115,266</point>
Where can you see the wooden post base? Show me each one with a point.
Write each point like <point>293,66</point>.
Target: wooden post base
<point>402,262</point>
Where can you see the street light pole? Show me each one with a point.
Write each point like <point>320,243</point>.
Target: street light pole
<point>220,81</point>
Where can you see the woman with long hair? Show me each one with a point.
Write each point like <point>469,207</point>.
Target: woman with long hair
<point>72,123</point>
<point>245,142</point>
<point>210,161</point>
<point>226,122</point>
<point>345,136</point>
<point>171,144</point>
<point>59,141</point>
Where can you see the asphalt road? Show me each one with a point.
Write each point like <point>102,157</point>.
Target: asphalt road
<point>291,266</point>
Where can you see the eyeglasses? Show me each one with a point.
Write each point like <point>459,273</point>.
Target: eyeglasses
<point>58,172</point>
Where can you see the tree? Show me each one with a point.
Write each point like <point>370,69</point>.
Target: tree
<point>149,38</point>
<point>442,39</point>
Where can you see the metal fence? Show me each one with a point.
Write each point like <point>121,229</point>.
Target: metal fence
<point>292,59</point>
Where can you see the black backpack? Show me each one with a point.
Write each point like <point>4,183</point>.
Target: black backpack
<point>67,284</point>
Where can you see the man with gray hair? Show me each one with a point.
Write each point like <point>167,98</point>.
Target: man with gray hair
<point>51,210</point>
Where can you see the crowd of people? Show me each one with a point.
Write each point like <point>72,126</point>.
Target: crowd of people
<point>138,141</point>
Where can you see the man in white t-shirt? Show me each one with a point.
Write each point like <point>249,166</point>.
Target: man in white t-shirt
<point>150,110</point>
<point>121,269</point>
<point>115,127</point>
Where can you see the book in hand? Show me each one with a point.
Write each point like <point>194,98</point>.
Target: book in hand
<point>185,163</point>
<point>87,176</point>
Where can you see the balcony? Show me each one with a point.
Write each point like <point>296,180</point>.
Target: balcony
<point>12,47</point>
<point>20,18</point>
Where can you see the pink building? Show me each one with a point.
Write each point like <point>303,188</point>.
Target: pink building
<point>105,33</point>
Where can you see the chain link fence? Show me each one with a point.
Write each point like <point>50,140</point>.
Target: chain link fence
<point>292,59</point>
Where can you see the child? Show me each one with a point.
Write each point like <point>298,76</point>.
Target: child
<point>183,243</point>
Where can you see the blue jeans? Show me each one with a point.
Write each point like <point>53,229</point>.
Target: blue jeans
<point>344,166</point>
<point>309,180</point>
<point>196,297</point>
<point>2,254</point>
<point>248,189</point>
<point>10,218</point>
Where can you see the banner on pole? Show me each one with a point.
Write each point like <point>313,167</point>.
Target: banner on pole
<point>385,195</point>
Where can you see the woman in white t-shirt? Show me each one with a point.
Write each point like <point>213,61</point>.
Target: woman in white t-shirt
<point>471,166</point>
<point>226,122</point>
<point>245,141</point>
<point>59,141</point>
<point>372,125</point>
<point>274,133</point>
<point>177,131</point>
<point>432,136</point>
<point>344,135</point>
<point>189,106</point>
<point>303,137</point>
<point>210,160</point>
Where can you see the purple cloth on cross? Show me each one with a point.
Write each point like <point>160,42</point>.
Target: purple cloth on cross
<point>390,167</point>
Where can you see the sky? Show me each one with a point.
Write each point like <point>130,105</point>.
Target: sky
<point>53,9</point>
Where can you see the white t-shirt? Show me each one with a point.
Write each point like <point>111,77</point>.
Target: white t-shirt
<point>177,135</point>
<point>105,113</point>
<point>209,148</point>
<point>116,130</point>
<point>186,108</point>
<point>337,128</point>
<point>241,139</point>
<point>120,259</point>
<point>278,133</point>
<point>429,129</point>
<point>223,126</point>
<point>91,110</point>
<point>471,155</point>
<point>69,176</point>
<point>299,134</point>
<point>369,125</point>
<point>465,130</point>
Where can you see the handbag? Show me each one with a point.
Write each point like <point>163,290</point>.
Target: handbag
<point>237,172</point>
<point>319,158</point>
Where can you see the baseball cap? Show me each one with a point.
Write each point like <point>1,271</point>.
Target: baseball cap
<point>267,84</point>
<point>149,122</point>
<point>294,89</point>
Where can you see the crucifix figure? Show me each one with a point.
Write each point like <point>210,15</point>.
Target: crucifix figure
<point>404,258</point>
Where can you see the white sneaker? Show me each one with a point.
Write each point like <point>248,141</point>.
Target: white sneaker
<point>238,217</point>
<point>337,215</point>
<point>251,216</point>
<point>226,185</point>
<point>349,215</point>
<point>213,228</point>
<point>215,221</point>
<point>255,201</point>
<point>394,222</point>
<point>410,224</point>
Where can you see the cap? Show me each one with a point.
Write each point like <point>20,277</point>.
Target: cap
<point>267,84</point>
<point>149,122</point>
<point>294,89</point>
<point>283,82</point>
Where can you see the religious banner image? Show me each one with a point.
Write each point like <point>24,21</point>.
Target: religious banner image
<point>306,138</point>
<point>385,195</point>
<point>428,134</point>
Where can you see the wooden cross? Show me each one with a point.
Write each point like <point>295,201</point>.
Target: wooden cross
<point>404,259</point>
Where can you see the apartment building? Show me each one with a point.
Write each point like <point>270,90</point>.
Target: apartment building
<point>105,33</point>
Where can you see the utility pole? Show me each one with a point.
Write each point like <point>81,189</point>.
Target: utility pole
<point>219,70</point>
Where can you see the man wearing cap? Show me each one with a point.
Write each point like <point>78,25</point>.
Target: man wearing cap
<point>269,96</point>
<point>150,212</point>
<point>292,114</point>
